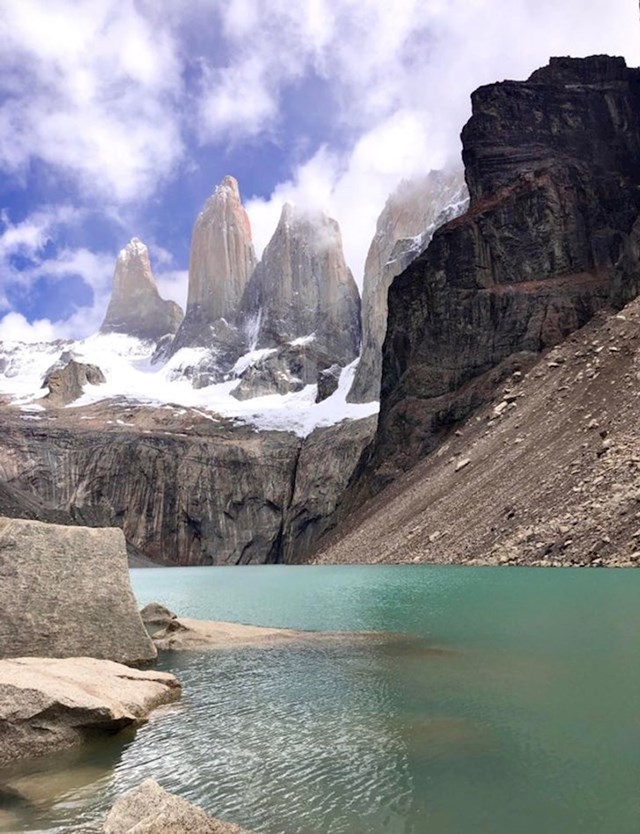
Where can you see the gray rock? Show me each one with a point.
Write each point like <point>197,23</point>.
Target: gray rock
<point>288,368</point>
<point>65,592</point>
<point>66,382</point>
<point>221,261</point>
<point>148,809</point>
<point>183,488</point>
<point>156,614</point>
<point>48,704</point>
<point>302,286</point>
<point>136,307</point>
<point>407,223</point>
<point>328,380</point>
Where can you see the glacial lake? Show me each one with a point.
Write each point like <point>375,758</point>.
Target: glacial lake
<point>505,701</point>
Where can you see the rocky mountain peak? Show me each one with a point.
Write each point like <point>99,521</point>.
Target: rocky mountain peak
<point>135,307</point>
<point>302,286</point>
<point>222,257</point>
<point>407,222</point>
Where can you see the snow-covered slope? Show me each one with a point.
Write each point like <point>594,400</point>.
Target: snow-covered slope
<point>131,376</point>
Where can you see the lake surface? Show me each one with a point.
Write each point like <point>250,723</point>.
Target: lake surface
<point>525,721</point>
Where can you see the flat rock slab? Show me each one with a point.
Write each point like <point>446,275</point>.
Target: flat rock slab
<point>148,809</point>
<point>50,704</point>
<point>184,633</point>
<point>187,634</point>
<point>65,592</point>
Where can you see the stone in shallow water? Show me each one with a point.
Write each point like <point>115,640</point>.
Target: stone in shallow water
<point>148,809</point>
<point>49,704</point>
<point>156,614</point>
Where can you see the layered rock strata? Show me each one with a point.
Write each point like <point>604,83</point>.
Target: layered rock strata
<point>183,487</point>
<point>302,287</point>
<point>66,593</point>
<point>47,705</point>
<point>221,261</point>
<point>553,170</point>
<point>405,227</point>
<point>136,307</point>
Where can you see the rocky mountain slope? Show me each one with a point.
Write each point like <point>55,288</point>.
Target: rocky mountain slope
<point>136,307</point>
<point>550,237</point>
<point>404,229</point>
<point>548,473</point>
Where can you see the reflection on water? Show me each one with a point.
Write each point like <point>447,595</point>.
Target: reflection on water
<point>509,706</point>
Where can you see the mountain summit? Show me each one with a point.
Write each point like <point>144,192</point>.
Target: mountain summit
<point>136,307</point>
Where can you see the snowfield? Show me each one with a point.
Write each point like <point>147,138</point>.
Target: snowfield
<point>126,364</point>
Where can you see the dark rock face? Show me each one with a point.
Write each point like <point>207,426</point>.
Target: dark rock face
<point>302,286</point>
<point>67,383</point>
<point>328,381</point>
<point>186,490</point>
<point>553,170</point>
<point>136,307</point>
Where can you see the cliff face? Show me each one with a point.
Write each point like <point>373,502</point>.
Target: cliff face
<point>553,169</point>
<point>135,307</point>
<point>547,473</point>
<point>221,261</point>
<point>405,227</point>
<point>302,286</point>
<point>185,489</point>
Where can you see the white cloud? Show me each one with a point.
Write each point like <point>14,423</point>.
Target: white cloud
<point>402,75</point>
<point>14,327</point>
<point>95,90</point>
<point>173,284</point>
<point>90,89</point>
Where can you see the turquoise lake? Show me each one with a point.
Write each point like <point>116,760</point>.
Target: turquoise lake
<point>506,701</point>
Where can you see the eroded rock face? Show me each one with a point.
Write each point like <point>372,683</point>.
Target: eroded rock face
<point>282,370</point>
<point>405,227</point>
<point>183,488</point>
<point>65,592</point>
<point>148,809</point>
<point>221,262</point>
<point>48,705</point>
<point>67,383</point>
<point>302,286</point>
<point>136,307</point>
<point>553,169</point>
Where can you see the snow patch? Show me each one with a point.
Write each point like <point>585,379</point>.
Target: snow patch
<point>131,378</point>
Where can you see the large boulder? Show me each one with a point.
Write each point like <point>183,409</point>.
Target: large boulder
<point>65,592</point>
<point>148,809</point>
<point>48,704</point>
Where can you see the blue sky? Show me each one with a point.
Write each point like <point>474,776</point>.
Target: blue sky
<point>118,118</point>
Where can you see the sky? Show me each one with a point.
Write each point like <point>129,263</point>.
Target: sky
<point>119,117</point>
